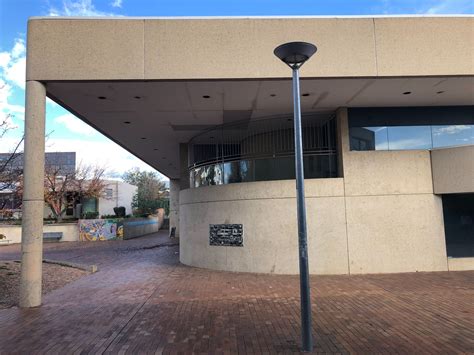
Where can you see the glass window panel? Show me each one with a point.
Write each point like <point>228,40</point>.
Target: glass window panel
<point>409,137</point>
<point>238,171</point>
<point>369,138</point>
<point>408,127</point>
<point>212,174</point>
<point>452,135</point>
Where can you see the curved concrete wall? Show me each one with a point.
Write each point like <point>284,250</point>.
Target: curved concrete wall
<point>267,211</point>
<point>346,234</point>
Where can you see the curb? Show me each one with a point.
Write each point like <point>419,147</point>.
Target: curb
<point>90,268</point>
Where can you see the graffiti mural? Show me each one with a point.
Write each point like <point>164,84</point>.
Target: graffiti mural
<point>100,229</point>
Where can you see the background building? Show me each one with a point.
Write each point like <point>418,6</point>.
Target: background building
<point>12,165</point>
<point>116,193</point>
<point>63,161</point>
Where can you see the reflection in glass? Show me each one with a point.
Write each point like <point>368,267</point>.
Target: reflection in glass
<point>409,137</point>
<point>452,135</point>
<point>238,171</point>
<point>265,169</point>
<point>400,128</point>
<point>369,138</point>
<point>207,175</point>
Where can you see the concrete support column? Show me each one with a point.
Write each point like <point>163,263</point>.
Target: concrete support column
<point>174,205</point>
<point>183,166</point>
<point>33,196</point>
<point>342,137</point>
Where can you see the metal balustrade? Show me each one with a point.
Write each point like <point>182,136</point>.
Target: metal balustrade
<point>261,150</point>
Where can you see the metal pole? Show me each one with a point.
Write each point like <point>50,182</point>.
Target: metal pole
<point>301,210</point>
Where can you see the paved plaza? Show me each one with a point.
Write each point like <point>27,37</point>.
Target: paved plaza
<point>143,300</point>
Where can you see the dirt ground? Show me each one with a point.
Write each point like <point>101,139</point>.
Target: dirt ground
<point>54,277</point>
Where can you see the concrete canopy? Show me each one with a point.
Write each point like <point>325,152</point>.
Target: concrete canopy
<point>169,113</point>
<point>157,73</point>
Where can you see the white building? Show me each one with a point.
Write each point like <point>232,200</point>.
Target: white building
<point>116,194</point>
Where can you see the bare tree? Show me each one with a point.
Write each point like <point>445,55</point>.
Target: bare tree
<point>86,182</point>
<point>9,173</point>
<point>59,186</point>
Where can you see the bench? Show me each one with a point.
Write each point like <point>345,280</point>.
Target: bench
<point>52,236</point>
<point>3,239</point>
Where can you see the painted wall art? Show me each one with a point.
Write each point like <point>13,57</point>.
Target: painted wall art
<point>91,230</point>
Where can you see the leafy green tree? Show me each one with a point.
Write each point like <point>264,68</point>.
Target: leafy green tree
<point>152,192</point>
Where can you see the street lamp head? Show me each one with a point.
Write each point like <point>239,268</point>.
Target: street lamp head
<point>295,54</point>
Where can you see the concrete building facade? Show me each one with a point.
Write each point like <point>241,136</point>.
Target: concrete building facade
<point>206,103</point>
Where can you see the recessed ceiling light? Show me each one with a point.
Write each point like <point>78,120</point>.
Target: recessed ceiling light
<point>101,97</point>
<point>206,97</point>
<point>407,93</point>
<point>272,95</point>
<point>127,122</point>
<point>440,92</point>
<point>137,97</point>
<point>305,94</point>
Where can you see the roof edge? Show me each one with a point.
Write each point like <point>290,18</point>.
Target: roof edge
<point>246,17</point>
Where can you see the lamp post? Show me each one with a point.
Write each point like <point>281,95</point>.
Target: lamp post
<point>295,54</point>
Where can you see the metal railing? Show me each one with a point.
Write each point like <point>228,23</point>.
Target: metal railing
<point>259,145</point>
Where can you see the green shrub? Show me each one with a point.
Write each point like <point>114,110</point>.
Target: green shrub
<point>90,215</point>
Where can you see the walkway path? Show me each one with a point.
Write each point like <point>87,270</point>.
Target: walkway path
<point>143,300</point>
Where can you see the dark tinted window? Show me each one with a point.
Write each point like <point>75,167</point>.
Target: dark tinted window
<point>402,128</point>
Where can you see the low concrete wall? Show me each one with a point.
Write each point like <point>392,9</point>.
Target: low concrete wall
<point>119,228</point>
<point>453,170</point>
<point>136,227</point>
<point>69,230</point>
<point>126,228</point>
<point>460,264</point>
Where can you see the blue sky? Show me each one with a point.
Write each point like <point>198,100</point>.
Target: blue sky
<point>67,133</point>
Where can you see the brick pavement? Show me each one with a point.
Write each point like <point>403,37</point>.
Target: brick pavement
<point>144,301</point>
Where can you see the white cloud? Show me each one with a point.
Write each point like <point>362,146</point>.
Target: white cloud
<point>409,143</point>
<point>103,153</point>
<point>7,110</point>
<point>450,7</point>
<point>16,72</point>
<point>116,3</point>
<point>106,154</point>
<point>75,125</point>
<point>453,129</point>
<point>78,8</point>
<point>13,64</point>
<point>19,49</point>
<point>4,60</point>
